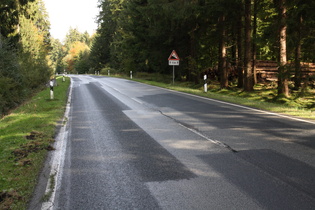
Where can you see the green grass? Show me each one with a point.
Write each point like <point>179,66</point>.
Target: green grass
<point>26,136</point>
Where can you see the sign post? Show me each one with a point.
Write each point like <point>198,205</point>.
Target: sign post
<point>173,74</point>
<point>173,60</point>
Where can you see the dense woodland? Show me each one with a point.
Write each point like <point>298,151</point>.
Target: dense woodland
<point>221,38</point>
<point>29,56</point>
<point>24,50</point>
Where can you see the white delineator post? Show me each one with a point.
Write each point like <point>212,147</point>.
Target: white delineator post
<point>130,74</point>
<point>205,85</point>
<point>51,85</point>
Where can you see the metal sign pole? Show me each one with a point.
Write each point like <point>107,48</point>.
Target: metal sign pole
<point>173,74</point>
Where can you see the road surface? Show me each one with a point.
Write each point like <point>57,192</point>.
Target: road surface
<point>134,146</point>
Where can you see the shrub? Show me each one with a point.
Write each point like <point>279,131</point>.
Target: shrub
<point>11,92</point>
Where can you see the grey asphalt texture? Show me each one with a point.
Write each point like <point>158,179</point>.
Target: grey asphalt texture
<point>134,146</point>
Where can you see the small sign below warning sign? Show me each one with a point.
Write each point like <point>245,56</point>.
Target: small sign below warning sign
<point>173,62</point>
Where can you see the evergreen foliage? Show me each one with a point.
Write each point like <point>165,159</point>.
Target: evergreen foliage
<point>139,35</point>
<point>24,47</point>
<point>10,78</point>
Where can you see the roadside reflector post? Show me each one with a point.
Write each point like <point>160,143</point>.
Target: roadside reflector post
<point>108,73</point>
<point>130,74</point>
<point>206,85</point>
<point>51,85</point>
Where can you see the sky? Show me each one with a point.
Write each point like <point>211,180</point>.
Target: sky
<point>63,14</point>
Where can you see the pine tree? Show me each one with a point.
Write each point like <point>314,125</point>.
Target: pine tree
<point>248,76</point>
<point>283,87</point>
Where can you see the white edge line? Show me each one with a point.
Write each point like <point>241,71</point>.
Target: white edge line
<point>58,157</point>
<point>136,100</point>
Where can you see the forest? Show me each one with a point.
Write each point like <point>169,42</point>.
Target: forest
<point>225,39</point>
<point>222,38</point>
<point>24,50</point>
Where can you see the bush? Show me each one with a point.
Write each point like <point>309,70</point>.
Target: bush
<point>35,72</point>
<point>10,78</point>
<point>104,71</point>
<point>20,75</point>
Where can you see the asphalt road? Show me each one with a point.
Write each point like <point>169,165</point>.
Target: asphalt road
<point>134,146</point>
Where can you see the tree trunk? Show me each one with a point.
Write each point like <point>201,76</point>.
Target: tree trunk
<point>298,73</point>
<point>222,54</point>
<point>254,51</point>
<point>283,87</point>
<point>248,80</point>
<point>240,69</point>
<point>0,40</point>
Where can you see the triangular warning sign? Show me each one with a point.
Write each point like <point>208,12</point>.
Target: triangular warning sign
<point>173,56</point>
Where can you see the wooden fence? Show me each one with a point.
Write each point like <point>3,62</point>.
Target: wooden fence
<point>268,70</point>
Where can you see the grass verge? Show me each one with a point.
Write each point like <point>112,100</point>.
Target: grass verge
<point>26,136</point>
